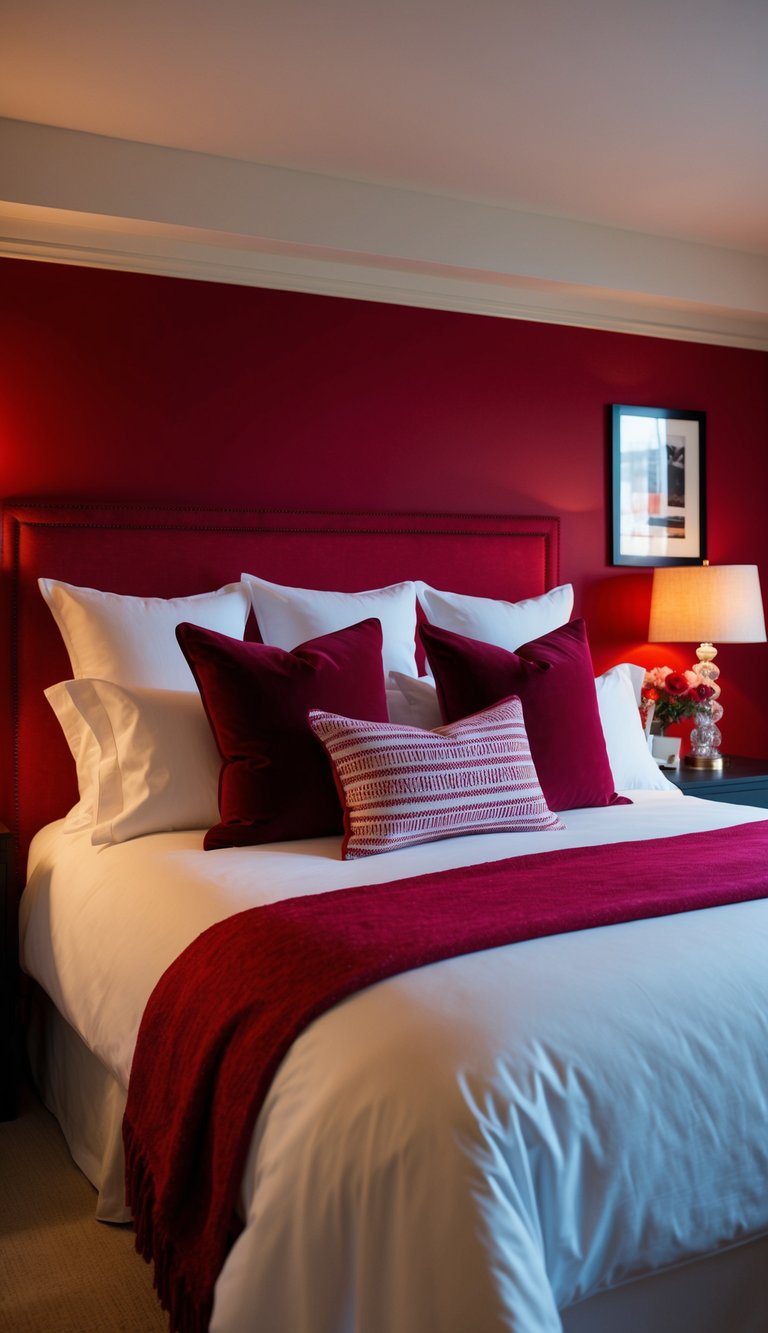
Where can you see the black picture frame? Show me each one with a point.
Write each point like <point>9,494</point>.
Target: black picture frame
<point>658,486</point>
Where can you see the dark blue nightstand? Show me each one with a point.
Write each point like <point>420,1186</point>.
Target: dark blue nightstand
<point>740,781</point>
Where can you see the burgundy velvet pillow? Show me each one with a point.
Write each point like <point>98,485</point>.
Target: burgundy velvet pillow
<point>276,783</point>
<point>555,680</point>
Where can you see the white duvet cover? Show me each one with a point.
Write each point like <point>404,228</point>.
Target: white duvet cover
<point>473,1146</point>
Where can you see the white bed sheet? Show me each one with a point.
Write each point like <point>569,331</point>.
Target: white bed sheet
<point>474,1145</point>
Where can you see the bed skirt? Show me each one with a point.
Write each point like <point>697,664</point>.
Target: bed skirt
<point>85,1098</point>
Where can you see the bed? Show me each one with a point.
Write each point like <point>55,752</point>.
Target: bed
<point>566,1132</point>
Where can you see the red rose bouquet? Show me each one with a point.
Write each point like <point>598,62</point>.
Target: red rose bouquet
<point>674,695</point>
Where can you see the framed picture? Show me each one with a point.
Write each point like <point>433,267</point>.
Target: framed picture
<point>659,513</point>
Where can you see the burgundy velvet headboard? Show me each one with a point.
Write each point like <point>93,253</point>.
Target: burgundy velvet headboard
<point>167,552</point>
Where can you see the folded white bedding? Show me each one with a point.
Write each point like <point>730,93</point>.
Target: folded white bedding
<point>476,1144</point>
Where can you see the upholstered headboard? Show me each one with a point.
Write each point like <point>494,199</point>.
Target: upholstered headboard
<point>164,552</point>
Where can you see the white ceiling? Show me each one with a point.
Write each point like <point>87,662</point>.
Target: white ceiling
<point>638,116</point>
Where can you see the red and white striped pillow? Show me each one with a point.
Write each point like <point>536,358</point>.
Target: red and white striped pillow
<point>401,785</point>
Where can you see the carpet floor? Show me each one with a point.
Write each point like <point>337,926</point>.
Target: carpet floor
<point>61,1271</point>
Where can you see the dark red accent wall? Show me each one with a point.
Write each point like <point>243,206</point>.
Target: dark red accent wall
<point>127,386</point>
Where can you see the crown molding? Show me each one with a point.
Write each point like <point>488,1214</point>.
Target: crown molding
<point>82,199</point>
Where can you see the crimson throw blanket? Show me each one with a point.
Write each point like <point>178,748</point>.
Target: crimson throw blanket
<point>225,1013</point>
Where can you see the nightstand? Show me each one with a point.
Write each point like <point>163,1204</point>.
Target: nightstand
<point>740,781</point>
<point>9,977</point>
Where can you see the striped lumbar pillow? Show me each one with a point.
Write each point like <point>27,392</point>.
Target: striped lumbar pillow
<point>400,785</point>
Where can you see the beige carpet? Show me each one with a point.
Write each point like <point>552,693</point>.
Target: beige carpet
<point>61,1271</point>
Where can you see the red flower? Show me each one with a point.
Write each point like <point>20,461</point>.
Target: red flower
<point>702,692</point>
<point>676,684</point>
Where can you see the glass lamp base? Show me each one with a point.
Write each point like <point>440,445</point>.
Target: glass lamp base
<point>711,761</point>
<point>706,738</point>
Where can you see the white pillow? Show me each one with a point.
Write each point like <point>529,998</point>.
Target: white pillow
<point>637,676</point>
<point>505,624</point>
<point>132,640</point>
<point>146,759</point>
<point>290,616</point>
<point>618,693</point>
<point>417,706</point>
<point>84,751</point>
<point>632,764</point>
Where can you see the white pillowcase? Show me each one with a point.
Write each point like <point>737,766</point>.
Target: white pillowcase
<point>505,624</point>
<point>618,693</point>
<point>418,706</point>
<point>146,759</point>
<point>636,676</point>
<point>632,764</point>
<point>84,751</point>
<point>132,640</point>
<point>290,616</point>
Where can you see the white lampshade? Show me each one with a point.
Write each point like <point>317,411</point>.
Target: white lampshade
<point>713,603</point>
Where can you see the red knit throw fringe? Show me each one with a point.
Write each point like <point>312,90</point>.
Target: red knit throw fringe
<point>227,1010</point>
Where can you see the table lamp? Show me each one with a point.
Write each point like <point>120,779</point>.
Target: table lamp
<point>706,602</point>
